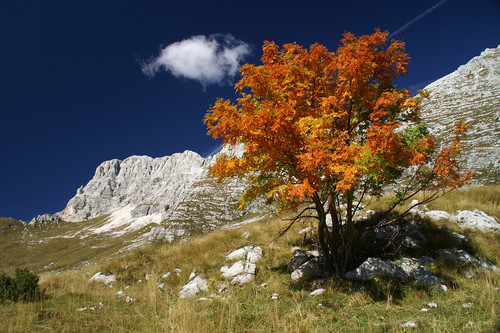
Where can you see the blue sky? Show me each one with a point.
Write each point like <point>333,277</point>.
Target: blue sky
<point>82,82</point>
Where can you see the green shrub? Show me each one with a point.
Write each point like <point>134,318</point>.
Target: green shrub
<point>7,288</point>
<point>22,287</point>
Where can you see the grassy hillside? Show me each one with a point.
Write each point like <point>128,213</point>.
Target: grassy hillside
<point>57,246</point>
<point>472,302</point>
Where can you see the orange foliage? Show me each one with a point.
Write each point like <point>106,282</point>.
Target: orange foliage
<point>310,118</point>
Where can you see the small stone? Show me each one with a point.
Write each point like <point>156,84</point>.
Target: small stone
<point>222,287</point>
<point>246,235</point>
<point>275,296</point>
<point>469,274</point>
<point>305,230</point>
<point>409,323</point>
<point>317,292</point>
<point>467,305</point>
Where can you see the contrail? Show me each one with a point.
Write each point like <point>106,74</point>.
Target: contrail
<point>417,18</point>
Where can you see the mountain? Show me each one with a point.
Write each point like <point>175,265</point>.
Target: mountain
<point>472,93</point>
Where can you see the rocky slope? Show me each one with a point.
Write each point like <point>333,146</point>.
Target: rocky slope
<point>472,93</point>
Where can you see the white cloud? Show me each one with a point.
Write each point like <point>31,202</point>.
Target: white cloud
<point>209,60</point>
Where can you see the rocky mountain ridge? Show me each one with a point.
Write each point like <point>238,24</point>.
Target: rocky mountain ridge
<point>472,93</point>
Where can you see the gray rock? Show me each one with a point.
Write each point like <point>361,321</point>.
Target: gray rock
<point>425,277</point>
<point>313,268</point>
<point>299,258</point>
<point>376,267</point>
<point>404,235</point>
<point>462,257</point>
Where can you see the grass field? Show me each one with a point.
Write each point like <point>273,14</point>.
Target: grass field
<point>471,304</point>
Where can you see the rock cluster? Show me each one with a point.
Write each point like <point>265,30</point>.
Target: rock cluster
<point>244,269</point>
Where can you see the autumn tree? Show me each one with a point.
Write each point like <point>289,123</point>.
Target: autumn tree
<point>322,130</point>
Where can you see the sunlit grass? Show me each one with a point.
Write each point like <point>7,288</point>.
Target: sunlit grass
<point>249,308</point>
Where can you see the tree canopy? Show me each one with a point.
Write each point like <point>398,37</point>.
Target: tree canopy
<point>327,128</point>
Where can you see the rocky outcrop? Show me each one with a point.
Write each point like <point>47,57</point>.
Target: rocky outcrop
<point>44,220</point>
<point>152,185</point>
<point>471,93</point>
<point>244,270</point>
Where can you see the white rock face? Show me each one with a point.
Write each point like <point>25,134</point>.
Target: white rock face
<point>472,93</point>
<point>174,195</point>
<point>150,185</point>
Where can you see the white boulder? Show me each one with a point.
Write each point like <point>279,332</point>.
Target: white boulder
<point>193,287</point>
<point>477,219</point>
<point>102,278</point>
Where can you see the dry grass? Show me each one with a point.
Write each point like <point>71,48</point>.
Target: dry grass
<point>484,198</point>
<point>249,308</point>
